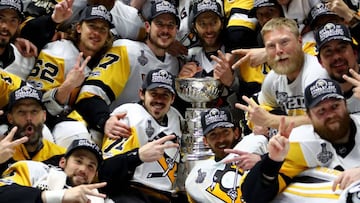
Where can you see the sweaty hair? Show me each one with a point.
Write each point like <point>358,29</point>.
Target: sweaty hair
<point>281,22</point>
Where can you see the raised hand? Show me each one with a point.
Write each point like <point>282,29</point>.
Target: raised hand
<point>79,193</point>
<point>243,160</point>
<point>62,11</point>
<point>250,57</point>
<point>355,80</point>
<point>278,146</point>
<point>222,68</point>
<point>154,150</point>
<point>116,128</point>
<point>7,145</point>
<point>255,113</point>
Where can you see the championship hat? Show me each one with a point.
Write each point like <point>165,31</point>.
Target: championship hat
<point>159,78</point>
<point>25,92</point>
<point>16,5</point>
<point>317,11</point>
<point>215,117</point>
<point>85,144</point>
<point>207,5</point>
<point>331,31</point>
<point>320,90</point>
<point>96,12</point>
<point>162,7</point>
<point>261,3</point>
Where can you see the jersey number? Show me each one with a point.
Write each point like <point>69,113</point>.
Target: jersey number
<point>46,71</point>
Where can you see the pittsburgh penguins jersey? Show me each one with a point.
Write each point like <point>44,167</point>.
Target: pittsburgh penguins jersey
<point>237,13</point>
<point>144,128</point>
<point>47,152</point>
<point>276,92</point>
<point>8,83</point>
<point>198,54</point>
<point>353,104</point>
<point>314,186</point>
<point>54,62</point>
<point>120,73</point>
<point>127,15</point>
<point>211,181</point>
<point>20,66</point>
<point>38,175</point>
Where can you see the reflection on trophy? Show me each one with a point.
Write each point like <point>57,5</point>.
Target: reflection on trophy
<point>197,91</point>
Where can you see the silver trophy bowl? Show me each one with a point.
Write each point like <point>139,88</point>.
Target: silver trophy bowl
<point>198,91</point>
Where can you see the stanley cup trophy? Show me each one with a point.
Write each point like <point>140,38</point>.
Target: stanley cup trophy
<point>197,91</point>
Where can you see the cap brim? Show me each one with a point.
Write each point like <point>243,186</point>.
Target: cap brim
<point>20,14</point>
<point>343,38</point>
<point>111,25</point>
<point>160,85</point>
<point>328,96</point>
<point>166,12</point>
<point>98,157</point>
<point>217,125</point>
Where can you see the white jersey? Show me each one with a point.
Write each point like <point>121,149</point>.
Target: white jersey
<point>276,92</point>
<point>159,174</point>
<point>198,54</point>
<point>21,66</point>
<point>353,104</point>
<point>127,15</point>
<point>142,59</point>
<point>39,175</point>
<point>298,10</point>
<point>309,151</point>
<point>215,182</point>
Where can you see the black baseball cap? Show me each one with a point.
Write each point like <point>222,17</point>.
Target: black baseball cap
<point>320,90</point>
<point>159,78</point>
<point>331,31</point>
<point>25,92</point>
<point>162,7</point>
<point>316,11</point>
<point>261,3</point>
<point>96,12</point>
<point>16,5</point>
<point>207,5</point>
<point>85,144</point>
<point>214,118</point>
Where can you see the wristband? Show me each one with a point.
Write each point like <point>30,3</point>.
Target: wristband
<point>55,196</point>
<point>51,104</point>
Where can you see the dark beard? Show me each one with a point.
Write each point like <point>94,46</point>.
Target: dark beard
<point>35,139</point>
<point>331,135</point>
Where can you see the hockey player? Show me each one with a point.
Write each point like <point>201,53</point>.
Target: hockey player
<point>63,65</point>
<point>27,112</point>
<point>330,141</point>
<point>11,59</point>
<point>292,70</point>
<point>215,179</point>
<point>120,73</point>
<point>150,119</point>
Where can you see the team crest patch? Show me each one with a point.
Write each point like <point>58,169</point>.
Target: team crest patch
<point>281,97</point>
<point>324,156</point>
<point>142,58</point>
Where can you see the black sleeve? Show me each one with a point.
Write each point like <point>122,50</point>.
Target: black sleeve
<point>39,30</point>
<point>258,189</point>
<point>20,194</point>
<point>239,37</point>
<point>355,32</point>
<point>118,170</point>
<point>95,112</point>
